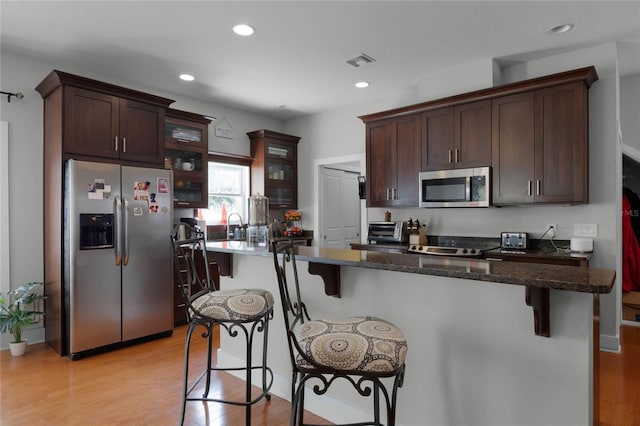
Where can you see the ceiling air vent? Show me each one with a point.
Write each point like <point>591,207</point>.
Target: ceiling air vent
<point>360,60</point>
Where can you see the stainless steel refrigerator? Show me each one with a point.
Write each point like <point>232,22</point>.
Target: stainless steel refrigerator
<point>117,251</point>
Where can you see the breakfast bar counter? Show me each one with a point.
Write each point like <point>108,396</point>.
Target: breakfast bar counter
<point>474,355</point>
<point>537,278</point>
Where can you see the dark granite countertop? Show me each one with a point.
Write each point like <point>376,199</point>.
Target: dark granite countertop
<point>542,250</point>
<point>572,278</point>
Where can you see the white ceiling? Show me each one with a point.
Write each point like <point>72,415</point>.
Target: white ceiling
<point>295,63</point>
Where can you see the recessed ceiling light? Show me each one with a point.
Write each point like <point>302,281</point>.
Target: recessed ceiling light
<point>560,29</point>
<point>186,77</point>
<point>362,84</point>
<point>243,29</point>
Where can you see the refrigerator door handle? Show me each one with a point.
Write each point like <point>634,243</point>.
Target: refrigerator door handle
<point>125,208</point>
<point>117,207</point>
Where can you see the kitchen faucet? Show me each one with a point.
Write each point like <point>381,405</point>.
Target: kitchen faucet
<point>231,234</point>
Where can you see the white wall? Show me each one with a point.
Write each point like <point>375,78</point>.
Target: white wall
<point>20,73</point>
<point>341,133</point>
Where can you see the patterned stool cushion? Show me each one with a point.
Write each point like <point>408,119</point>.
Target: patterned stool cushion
<point>352,344</point>
<point>234,305</point>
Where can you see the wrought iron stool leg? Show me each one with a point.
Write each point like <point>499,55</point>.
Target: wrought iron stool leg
<point>376,403</point>
<point>186,373</point>
<point>210,329</point>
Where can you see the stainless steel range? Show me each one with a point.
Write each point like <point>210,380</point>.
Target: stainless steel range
<point>446,251</point>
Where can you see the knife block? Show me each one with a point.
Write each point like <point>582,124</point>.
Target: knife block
<point>418,237</point>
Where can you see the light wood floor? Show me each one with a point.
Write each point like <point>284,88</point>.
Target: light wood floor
<point>135,386</point>
<point>620,382</point>
<point>142,384</point>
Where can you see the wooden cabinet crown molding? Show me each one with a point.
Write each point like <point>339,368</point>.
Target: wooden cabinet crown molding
<point>186,115</point>
<point>57,78</point>
<point>264,133</point>
<point>587,75</point>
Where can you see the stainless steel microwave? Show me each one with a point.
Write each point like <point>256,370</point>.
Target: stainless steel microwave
<point>456,188</point>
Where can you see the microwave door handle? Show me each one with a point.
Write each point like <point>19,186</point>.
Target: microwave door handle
<point>117,211</point>
<point>467,189</point>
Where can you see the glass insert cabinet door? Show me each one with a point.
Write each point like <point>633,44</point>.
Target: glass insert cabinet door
<point>187,193</point>
<point>281,171</point>
<point>178,133</point>
<point>189,174</point>
<point>281,197</point>
<point>186,146</point>
<point>275,167</point>
<point>285,152</point>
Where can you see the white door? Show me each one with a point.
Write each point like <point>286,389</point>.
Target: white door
<point>339,208</point>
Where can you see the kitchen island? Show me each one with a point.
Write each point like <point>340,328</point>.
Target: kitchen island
<point>473,358</point>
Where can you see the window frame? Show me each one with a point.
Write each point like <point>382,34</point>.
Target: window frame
<point>231,159</point>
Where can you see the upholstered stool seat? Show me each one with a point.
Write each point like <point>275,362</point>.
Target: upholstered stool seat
<point>234,305</point>
<point>352,344</point>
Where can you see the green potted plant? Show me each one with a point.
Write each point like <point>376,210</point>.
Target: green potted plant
<point>16,313</point>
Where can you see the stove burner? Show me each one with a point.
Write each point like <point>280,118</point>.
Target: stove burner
<point>446,251</point>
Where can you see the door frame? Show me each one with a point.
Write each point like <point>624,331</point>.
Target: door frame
<point>5,254</point>
<point>336,162</point>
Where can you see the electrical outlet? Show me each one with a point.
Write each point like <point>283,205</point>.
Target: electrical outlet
<point>553,231</point>
<point>585,230</point>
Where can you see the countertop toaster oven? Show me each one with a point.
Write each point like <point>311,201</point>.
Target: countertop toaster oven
<point>387,232</point>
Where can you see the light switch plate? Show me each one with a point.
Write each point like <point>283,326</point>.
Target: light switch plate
<point>585,230</point>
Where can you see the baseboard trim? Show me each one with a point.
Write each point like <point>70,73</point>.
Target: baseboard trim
<point>609,343</point>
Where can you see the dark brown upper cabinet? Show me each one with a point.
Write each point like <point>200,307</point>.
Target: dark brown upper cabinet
<point>457,137</point>
<point>103,121</point>
<point>393,162</point>
<point>540,146</point>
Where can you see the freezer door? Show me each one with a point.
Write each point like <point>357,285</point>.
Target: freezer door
<point>147,281</point>
<point>92,276</point>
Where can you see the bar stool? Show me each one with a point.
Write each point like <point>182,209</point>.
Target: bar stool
<point>361,350</point>
<point>245,312</point>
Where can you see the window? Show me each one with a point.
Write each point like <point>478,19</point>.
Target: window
<point>228,192</point>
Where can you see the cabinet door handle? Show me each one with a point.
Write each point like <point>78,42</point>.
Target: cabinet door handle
<point>457,155</point>
<point>537,186</point>
<point>182,203</point>
<point>529,188</point>
<point>124,144</point>
<point>450,157</point>
<point>395,193</point>
<point>116,145</point>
